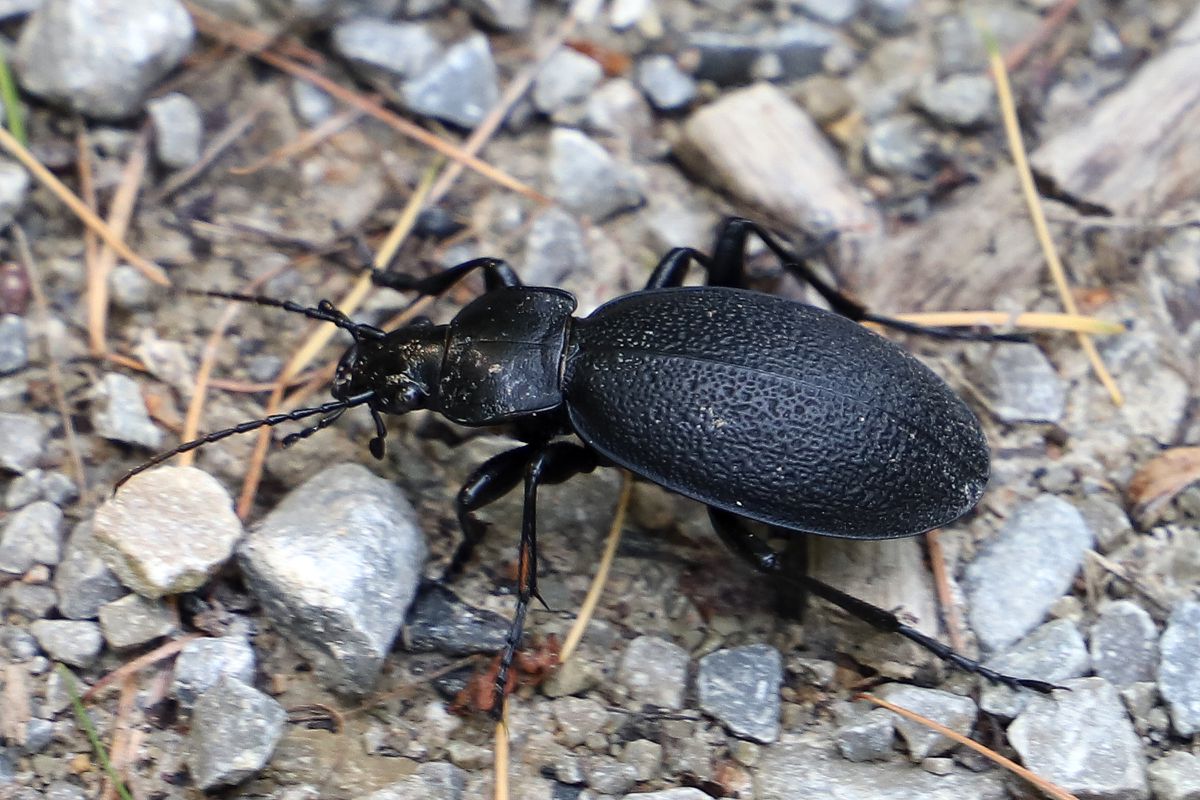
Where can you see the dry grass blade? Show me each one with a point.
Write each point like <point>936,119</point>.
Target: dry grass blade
<point>253,42</point>
<point>140,663</point>
<point>1050,23</point>
<point>85,722</point>
<point>230,134</point>
<point>1041,783</point>
<point>500,754</point>
<point>1161,479</point>
<point>1032,321</point>
<point>592,599</point>
<point>306,141</point>
<point>941,582</point>
<point>1012,130</point>
<point>80,209</point>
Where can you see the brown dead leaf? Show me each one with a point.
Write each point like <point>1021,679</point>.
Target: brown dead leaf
<point>1161,479</point>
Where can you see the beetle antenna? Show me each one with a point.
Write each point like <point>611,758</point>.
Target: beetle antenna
<point>324,312</point>
<point>332,410</point>
<point>320,425</point>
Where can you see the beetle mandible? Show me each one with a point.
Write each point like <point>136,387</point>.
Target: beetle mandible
<point>761,408</point>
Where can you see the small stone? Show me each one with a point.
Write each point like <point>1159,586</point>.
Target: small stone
<point>38,735</point>
<point>61,790</point>
<point>69,641</point>
<point>313,106</point>
<point>32,535</point>
<point>431,780</point>
<point>578,718</point>
<point>1021,385</point>
<point>903,145</point>
<point>14,347</point>
<point>134,620</point>
<point>555,249</point>
<point>235,729</point>
<point>18,642</point>
<point>1054,652</point>
<point>1124,644</point>
<point>826,99</point>
<point>1083,741</point>
<point>586,179</point>
<point>1178,678</point>
<point>65,53</point>
<point>14,189</point>
<point>24,442</point>
<point>869,738</point>
<point>178,130</point>
<point>655,672</point>
<point>1104,45</point>
<point>1054,531</point>
<point>204,662</point>
<point>568,77</point>
<point>609,776</point>
<point>831,12</point>
<point>892,16</point>
<point>682,793</point>
<point>953,711</point>
<point>740,687</point>
<point>1108,520</point>
<point>1176,777</point>
<point>440,621</point>
<point>965,100</point>
<point>30,600</point>
<point>119,412</point>
<point>386,49</point>
<point>468,756</point>
<point>336,565</point>
<point>83,581</point>
<point>167,530</point>
<point>667,86</point>
<point>574,677</point>
<point>623,14</point>
<point>23,490</point>
<point>130,289</point>
<point>504,15</point>
<point>460,88</point>
<point>645,757</point>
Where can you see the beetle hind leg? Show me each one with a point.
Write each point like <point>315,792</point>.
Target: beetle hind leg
<point>753,549</point>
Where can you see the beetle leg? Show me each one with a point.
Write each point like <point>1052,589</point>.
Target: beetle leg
<point>673,268</point>
<point>497,273</point>
<point>759,554</point>
<point>493,479</point>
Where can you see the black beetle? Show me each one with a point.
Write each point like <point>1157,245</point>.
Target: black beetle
<point>761,408</point>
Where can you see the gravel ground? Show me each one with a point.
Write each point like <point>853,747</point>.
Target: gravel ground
<point>307,650</point>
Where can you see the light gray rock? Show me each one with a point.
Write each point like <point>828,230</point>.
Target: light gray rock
<point>14,345</point>
<point>336,565</point>
<point>1178,677</point>
<point>667,86</point>
<point>235,729</point>
<point>202,663</point>
<point>868,738</point>
<point>69,641</point>
<point>567,77</point>
<point>578,718</point>
<point>555,249</point>
<point>440,621</point>
<point>119,413</point>
<point>832,12</point>
<point>32,535</point>
<point>178,130</point>
<point>1054,652</point>
<point>504,15</point>
<point>82,580</point>
<point>1176,777</point>
<point>460,87</point>
<point>386,49</point>
<point>167,530</point>
<point>1021,385</point>
<point>435,779</point>
<point>65,53</point>
<point>586,179</point>
<point>655,672</point>
<point>951,710</point>
<point>740,687</point>
<point>1083,741</point>
<point>683,793</point>
<point>1124,644</point>
<point>608,776</point>
<point>892,16</point>
<point>1022,570</point>
<point>965,100</point>
<point>133,620</point>
<point>903,145</point>
<point>24,442</point>
<point>30,600</point>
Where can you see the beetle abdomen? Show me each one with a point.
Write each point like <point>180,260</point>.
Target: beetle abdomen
<point>774,410</point>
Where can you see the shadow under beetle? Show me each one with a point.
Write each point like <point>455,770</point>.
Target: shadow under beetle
<point>761,408</point>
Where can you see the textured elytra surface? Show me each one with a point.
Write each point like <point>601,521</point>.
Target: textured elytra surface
<point>774,410</point>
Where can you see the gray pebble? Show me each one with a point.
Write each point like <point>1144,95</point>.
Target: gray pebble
<point>667,86</point>
<point>504,15</point>
<point>65,53</point>
<point>133,620</point>
<point>609,776</point>
<point>832,12</point>
<point>1176,777</point>
<point>902,145</point>
<point>578,718</point>
<point>965,100</point>
<point>645,757</point>
<point>892,16</point>
<point>868,738</point>
<point>1083,741</point>
<point>655,672</point>
<point>1108,520</point>
<point>386,49</point>
<point>129,288</point>
<point>18,642</point>
<point>440,621</point>
<point>313,106</point>
<point>24,442</point>
<point>30,600</point>
<point>32,535</point>
<point>431,780</point>
<point>61,790</point>
<point>460,87</point>
<point>178,130</point>
<point>586,179</point>
<point>1054,652</point>
<point>14,346</point>
<point>72,642</point>
<point>1020,384</point>
<point>23,490</point>
<point>202,663</point>
<point>14,188</point>
<point>336,565</point>
<point>1124,644</point>
<point>1040,549</point>
<point>567,78</point>
<point>683,793</point>
<point>119,412</point>
<point>235,729</point>
<point>789,52</point>
<point>1104,44</point>
<point>740,687</point>
<point>623,14</point>
<point>82,580</point>
<point>555,249</point>
<point>959,42</point>
<point>167,530</point>
<point>58,488</point>
<point>951,710</point>
<point>1178,677</point>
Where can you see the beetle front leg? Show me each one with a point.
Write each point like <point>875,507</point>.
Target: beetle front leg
<point>753,549</point>
<point>497,274</point>
<point>493,479</point>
